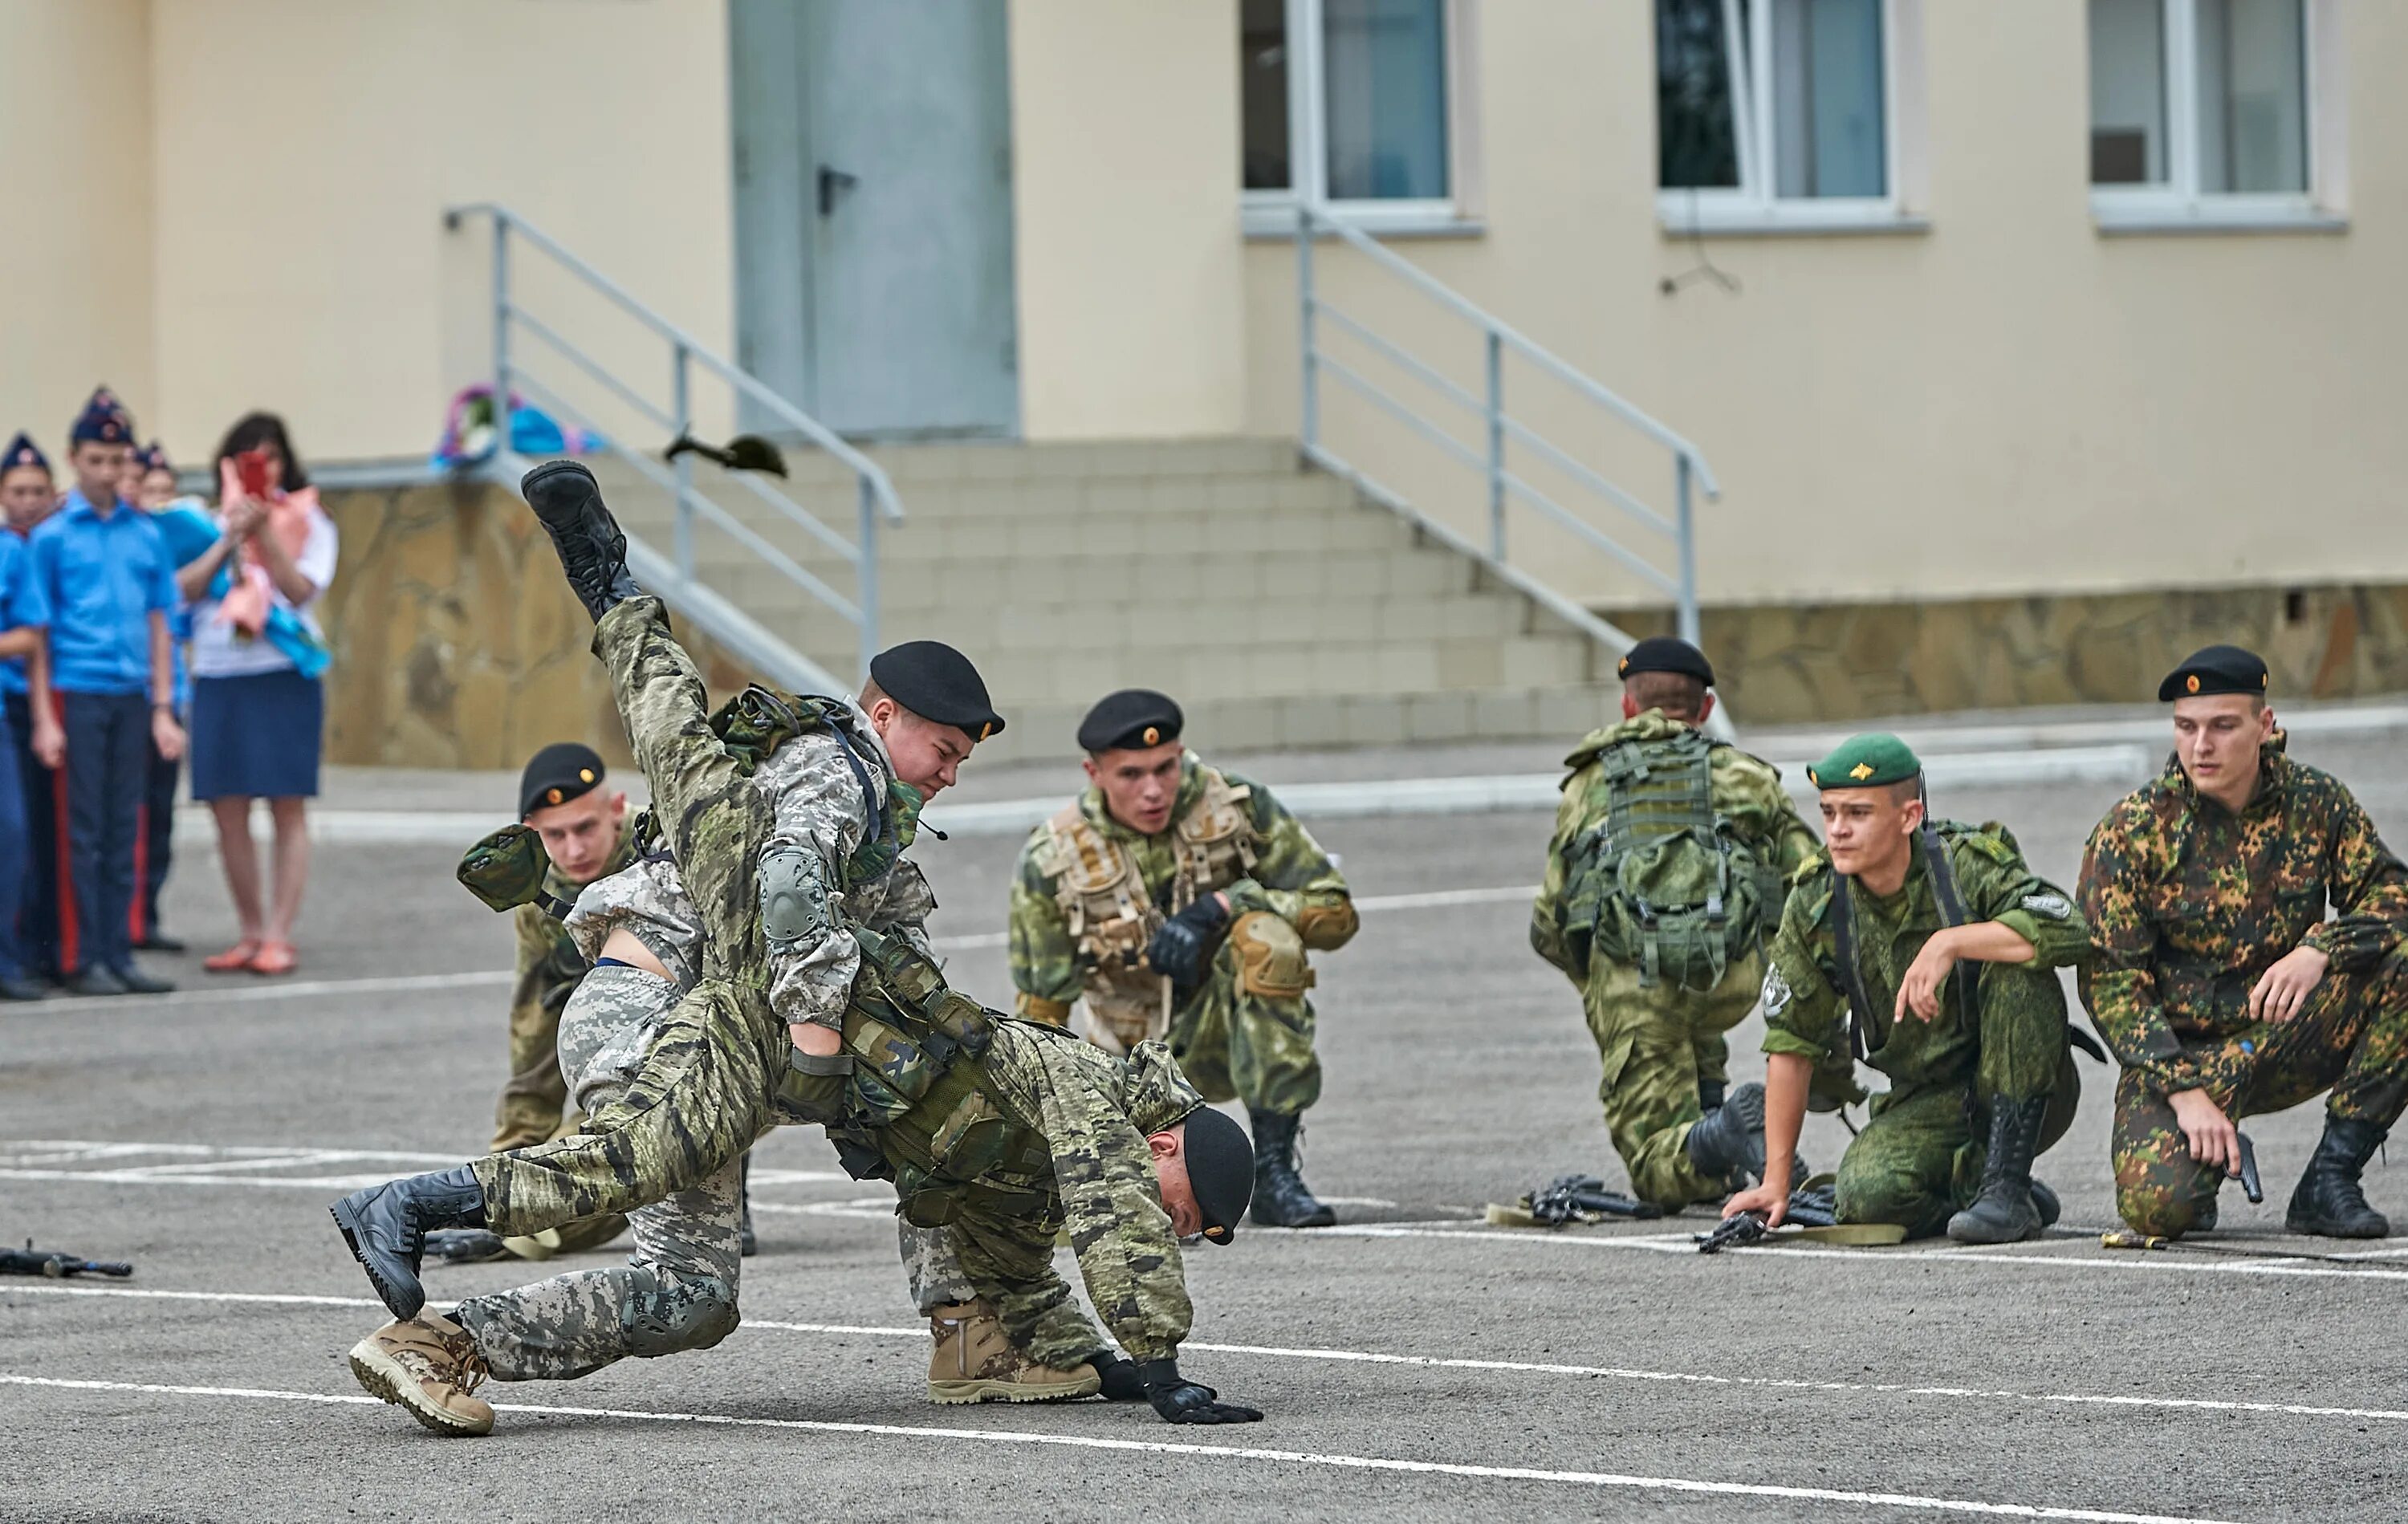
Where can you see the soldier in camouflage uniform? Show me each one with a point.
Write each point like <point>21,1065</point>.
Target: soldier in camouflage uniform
<point>1035,1137</point>
<point>1928,950</point>
<point>1661,990</point>
<point>2217,979</point>
<point>1178,900</point>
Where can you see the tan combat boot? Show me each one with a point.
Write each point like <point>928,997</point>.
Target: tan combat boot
<point>974,1363</point>
<point>429,1365</point>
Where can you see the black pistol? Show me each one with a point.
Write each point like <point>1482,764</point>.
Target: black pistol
<point>2248,1172</point>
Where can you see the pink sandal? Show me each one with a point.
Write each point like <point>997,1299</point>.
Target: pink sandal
<point>234,960</point>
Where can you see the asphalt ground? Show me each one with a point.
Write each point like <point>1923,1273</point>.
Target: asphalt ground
<point>1415,1362</point>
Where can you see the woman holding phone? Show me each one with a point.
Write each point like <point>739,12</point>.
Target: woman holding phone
<point>258,706</point>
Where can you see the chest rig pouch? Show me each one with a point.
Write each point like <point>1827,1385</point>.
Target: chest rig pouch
<point>1100,885</point>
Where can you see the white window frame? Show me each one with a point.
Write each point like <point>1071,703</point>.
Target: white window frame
<point>1272,214</point>
<point>2179,206</point>
<point>1754,207</point>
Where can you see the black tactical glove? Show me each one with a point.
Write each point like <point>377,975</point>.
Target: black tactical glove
<point>814,1087</point>
<point>1181,1400</point>
<point>1122,1382</point>
<point>1187,942</point>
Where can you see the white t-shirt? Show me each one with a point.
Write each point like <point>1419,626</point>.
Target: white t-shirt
<point>217,651</point>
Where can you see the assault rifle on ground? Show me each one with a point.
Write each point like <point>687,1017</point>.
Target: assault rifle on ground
<point>30,1260</point>
<point>1570,1198</point>
<point>1810,1206</point>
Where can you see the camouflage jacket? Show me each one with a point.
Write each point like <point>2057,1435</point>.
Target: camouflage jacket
<point>2188,903</point>
<point>1292,879</point>
<point>550,962</point>
<point>1746,791</point>
<point>1805,998</point>
<point>818,804</point>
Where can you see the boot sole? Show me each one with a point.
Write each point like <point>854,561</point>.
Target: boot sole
<point>385,1294</point>
<point>549,469</point>
<point>961,1393</point>
<point>384,1378</point>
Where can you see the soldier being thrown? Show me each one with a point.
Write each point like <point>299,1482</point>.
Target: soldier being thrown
<point>1929,951</point>
<point>1178,900</point>
<point>1006,1132</point>
<point>2216,978</point>
<point>1665,877</point>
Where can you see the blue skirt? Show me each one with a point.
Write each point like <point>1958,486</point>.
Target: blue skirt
<point>257,737</point>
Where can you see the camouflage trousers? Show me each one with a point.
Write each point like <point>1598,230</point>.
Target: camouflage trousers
<point>1657,1043</point>
<point>1919,1159</point>
<point>1010,1261</point>
<point>534,1106</point>
<point>705,1088</point>
<point>2351,1037</point>
<point>677,1290</point>
<point>1234,1045</point>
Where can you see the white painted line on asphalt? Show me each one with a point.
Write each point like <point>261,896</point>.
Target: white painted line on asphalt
<point>253,989</point>
<point>1365,1357</point>
<point>921,1435</point>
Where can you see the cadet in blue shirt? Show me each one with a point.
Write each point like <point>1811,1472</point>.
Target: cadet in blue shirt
<point>29,861</point>
<point>103,569</point>
<point>22,618</point>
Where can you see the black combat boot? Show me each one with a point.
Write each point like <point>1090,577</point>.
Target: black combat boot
<point>1728,1143</point>
<point>2005,1212</point>
<point>568,503</point>
<point>386,1227</point>
<point>2328,1201</point>
<point>1709,1094</point>
<point>747,1245</point>
<point>2045,1199</point>
<point>1282,1199</point>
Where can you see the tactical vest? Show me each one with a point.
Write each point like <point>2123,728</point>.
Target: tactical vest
<point>1101,890</point>
<point>1661,881</point>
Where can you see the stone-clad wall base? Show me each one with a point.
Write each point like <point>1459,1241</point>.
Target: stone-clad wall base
<point>456,642</point>
<point>1817,663</point>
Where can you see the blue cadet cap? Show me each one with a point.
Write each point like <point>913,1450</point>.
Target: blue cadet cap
<point>103,421</point>
<point>1866,761</point>
<point>23,451</point>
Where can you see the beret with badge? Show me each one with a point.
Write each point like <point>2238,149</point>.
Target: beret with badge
<point>1131,719</point>
<point>561,772</point>
<point>1663,653</point>
<point>939,684</point>
<point>2215,669</point>
<point>1866,761</point>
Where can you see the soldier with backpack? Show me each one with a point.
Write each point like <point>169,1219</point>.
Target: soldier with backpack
<point>1929,949</point>
<point>1665,877</point>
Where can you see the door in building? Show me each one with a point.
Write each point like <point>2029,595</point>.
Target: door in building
<point>873,211</point>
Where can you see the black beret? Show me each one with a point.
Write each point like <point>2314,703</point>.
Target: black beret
<point>1220,1170</point>
<point>938,683</point>
<point>1130,720</point>
<point>1663,653</point>
<point>559,773</point>
<point>2217,669</point>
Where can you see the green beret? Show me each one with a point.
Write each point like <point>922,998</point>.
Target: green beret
<point>1866,761</point>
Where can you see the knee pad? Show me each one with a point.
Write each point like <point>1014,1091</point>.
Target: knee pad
<point>690,1312</point>
<point>1325,927</point>
<point>1270,957</point>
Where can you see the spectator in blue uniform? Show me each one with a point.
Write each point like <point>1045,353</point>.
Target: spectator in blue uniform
<point>23,619</point>
<point>28,495</point>
<point>102,568</point>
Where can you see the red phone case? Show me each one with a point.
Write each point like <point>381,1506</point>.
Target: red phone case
<point>250,469</point>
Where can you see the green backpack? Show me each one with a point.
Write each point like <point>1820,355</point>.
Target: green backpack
<point>1659,881</point>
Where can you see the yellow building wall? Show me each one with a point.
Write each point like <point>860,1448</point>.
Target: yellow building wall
<point>75,259</point>
<point>1124,173</point>
<point>2008,402</point>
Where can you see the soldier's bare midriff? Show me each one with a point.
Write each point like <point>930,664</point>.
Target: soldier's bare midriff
<point>625,946</point>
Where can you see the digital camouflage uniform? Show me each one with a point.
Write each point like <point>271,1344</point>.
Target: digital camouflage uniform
<point>531,1109</point>
<point>1657,1039</point>
<point>1919,1160</point>
<point>2188,904</point>
<point>1090,892</point>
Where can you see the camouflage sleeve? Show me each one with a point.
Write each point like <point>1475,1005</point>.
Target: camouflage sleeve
<point>817,806</point>
<point>2368,890</point>
<point>1749,791</point>
<point>2119,983</point>
<point>1547,910</point>
<point>548,965</point>
<point>1999,886</point>
<point>906,907</point>
<point>1294,878</point>
<point>1802,1011</point>
<point>1112,1202</point>
<point>1044,961</point>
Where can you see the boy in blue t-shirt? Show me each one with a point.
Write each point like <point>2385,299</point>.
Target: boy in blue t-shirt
<point>29,863</point>
<point>103,570</point>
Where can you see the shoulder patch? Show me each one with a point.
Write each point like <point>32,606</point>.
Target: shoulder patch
<point>2053,905</point>
<point>1776,991</point>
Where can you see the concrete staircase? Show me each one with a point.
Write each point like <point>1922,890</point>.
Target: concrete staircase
<point>1278,607</point>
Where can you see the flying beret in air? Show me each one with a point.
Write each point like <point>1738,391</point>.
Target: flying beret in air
<point>2217,669</point>
<point>1220,1170</point>
<point>559,773</point>
<point>938,683</point>
<point>103,421</point>
<point>1130,720</point>
<point>1866,761</point>
<point>1663,653</point>
<point>23,451</point>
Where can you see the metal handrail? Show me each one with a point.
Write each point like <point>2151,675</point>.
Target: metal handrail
<point>1690,472</point>
<point>875,497</point>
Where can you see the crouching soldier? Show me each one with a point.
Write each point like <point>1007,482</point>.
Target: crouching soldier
<point>2217,980</point>
<point>1928,950</point>
<point>1180,901</point>
<point>1664,879</point>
